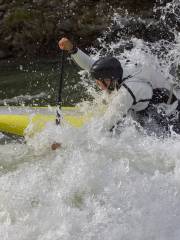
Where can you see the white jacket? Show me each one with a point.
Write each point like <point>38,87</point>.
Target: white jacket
<point>135,92</point>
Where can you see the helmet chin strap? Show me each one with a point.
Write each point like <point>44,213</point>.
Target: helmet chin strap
<point>114,85</point>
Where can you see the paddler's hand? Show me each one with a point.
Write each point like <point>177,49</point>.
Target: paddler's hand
<point>56,145</point>
<point>65,44</point>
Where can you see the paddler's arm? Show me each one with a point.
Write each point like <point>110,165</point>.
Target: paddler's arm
<point>117,109</point>
<point>82,59</point>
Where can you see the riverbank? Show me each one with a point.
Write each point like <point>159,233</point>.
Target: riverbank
<point>32,28</point>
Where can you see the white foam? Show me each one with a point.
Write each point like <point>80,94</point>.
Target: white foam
<point>95,187</point>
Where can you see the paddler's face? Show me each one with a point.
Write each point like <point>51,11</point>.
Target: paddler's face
<point>103,85</point>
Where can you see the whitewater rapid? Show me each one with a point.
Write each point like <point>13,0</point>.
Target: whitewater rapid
<point>95,187</point>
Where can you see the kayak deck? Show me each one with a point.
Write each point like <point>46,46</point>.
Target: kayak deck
<point>13,123</point>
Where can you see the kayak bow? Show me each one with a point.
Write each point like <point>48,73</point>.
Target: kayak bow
<point>32,120</point>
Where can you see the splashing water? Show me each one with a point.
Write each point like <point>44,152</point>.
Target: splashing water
<point>97,186</point>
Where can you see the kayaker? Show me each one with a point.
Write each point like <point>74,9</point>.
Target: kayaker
<point>137,91</point>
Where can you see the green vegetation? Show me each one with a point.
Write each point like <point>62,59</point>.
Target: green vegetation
<point>17,17</point>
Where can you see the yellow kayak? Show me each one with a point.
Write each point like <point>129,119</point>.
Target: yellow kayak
<point>15,120</point>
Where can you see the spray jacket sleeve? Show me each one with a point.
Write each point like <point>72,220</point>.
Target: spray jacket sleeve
<point>117,109</point>
<point>83,60</point>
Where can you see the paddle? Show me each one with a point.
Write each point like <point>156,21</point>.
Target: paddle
<point>56,145</point>
<point>59,99</point>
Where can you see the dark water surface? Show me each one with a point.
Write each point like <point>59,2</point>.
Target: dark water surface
<point>36,82</point>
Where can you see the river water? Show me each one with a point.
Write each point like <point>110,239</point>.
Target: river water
<point>97,186</point>
<point>36,82</point>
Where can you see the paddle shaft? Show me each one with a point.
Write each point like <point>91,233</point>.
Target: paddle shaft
<point>59,99</point>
